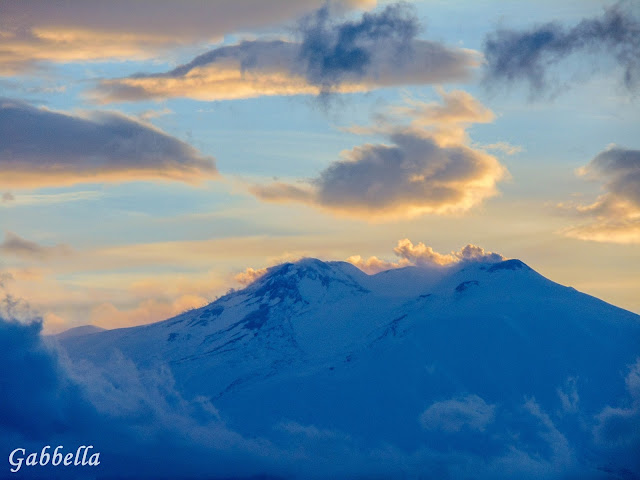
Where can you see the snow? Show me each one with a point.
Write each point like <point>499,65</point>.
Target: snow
<point>490,361</point>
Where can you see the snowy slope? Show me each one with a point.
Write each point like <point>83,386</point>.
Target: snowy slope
<point>489,359</point>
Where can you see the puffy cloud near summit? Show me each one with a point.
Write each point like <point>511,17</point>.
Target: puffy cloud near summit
<point>380,49</point>
<point>424,168</point>
<point>422,255</point>
<point>615,215</point>
<point>33,32</point>
<point>41,147</point>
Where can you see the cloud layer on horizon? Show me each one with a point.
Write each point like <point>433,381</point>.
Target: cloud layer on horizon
<point>378,50</point>
<point>615,215</point>
<point>528,55</point>
<point>46,148</point>
<point>34,32</point>
<point>424,168</point>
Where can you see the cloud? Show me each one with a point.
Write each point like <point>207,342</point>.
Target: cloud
<point>422,170</point>
<point>513,55</point>
<point>453,415</point>
<point>411,176</point>
<point>34,32</point>
<point>569,396</point>
<point>561,450</point>
<point>117,407</point>
<point>7,197</point>
<point>617,429</point>
<point>423,256</point>
<point>46,148</point>
<point>4,277</point>
<point>40,401</point>
<point>446,121</point>
<point>504,147</point>
<point>249,275</point>
<point>420,254</point>
<point>373,265</point>
<point>25,199</point>
<point>615,214</point>
<point>378,50</point>
<point>18,246</point>
<point>148,115</point>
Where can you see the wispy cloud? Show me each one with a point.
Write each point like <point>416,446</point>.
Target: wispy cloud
<point>47,148</point>
<point>28,199</point>
<point>527,55</point>
<point>379,50</point>
<point>453,415</point>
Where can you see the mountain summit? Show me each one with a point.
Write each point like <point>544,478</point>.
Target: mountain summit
<point>488,365</point>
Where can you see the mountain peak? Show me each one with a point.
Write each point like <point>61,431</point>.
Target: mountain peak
<point>305,279</point>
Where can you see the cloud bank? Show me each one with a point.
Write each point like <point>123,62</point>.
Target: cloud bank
<point>527,56</point>
<point>615,214</point>
<point>41,147</point>
<point>34,32</point>
<point>425,168</point>
<point>378,50</point>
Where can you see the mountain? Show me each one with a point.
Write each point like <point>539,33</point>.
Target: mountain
<point>78,331</point>
<point>451,370</point>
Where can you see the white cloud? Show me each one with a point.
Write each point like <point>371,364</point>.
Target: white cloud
<point>453,415</point>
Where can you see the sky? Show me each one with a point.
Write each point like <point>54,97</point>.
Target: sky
<point>154,155</point>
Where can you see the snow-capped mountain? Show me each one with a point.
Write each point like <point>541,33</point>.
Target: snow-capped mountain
<point>490,360</point>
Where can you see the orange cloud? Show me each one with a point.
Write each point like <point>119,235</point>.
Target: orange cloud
<point>614,217</point>
<point>426,168</point>
<point>383,47</point>
<point>32,32</point>
<point>373,265</point>
<point>249,275</point>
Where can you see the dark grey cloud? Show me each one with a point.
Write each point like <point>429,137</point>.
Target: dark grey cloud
<point>42,147</point>
<point>411,175</point>
<point>21,247</point>
<point>517,55</point>
<point>331,55</point>
<point>332,52</point>
<point>615,215</point>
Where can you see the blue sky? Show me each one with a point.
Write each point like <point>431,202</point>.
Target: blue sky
<point>118,229</point>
